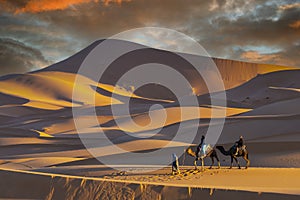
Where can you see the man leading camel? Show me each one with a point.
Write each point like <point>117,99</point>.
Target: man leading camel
<point>175,164</point>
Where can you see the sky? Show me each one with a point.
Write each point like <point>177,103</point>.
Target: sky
<point>37,33</point>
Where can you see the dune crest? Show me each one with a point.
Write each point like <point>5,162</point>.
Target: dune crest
<point>38,131</point>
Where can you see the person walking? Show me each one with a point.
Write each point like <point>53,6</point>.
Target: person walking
<point>175,164</point>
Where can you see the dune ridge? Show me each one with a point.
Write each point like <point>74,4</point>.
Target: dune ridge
<point>38,131</point>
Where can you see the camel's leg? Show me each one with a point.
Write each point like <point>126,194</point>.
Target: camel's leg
<point>202,163</point>
<point>212,162</point>
<point>195,163</point>
<point>238,163</point>
<point>219,165</point>
<point>231,162</point>
<point>247,160</point>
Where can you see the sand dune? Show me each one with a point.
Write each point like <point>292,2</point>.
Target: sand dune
<point>262,89</point>
<point>38,131</point>
<point>53,186</point>
<point>52,90</point>
<point>286,107</point>
<point>233,73</point>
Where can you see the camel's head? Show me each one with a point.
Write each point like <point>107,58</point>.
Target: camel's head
<point>190,152</point>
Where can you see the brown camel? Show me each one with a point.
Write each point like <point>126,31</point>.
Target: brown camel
<point>232,152</point>
<point>212,153</point>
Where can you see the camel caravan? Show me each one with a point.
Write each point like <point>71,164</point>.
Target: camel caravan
<point>206,150</point>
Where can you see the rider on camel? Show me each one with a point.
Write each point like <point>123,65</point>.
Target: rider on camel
<point>239,145</point>
<point>199,147</point>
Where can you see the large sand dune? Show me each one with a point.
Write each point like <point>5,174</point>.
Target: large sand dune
<point>38,133</point>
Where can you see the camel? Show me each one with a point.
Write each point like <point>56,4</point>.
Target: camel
<point>209,152</point>
<point>232,153</point>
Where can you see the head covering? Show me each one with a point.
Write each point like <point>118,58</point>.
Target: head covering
<point>202,138</point>
<point>174,157</point>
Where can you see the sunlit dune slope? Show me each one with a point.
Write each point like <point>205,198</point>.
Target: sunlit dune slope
<point>154,120</point>
<point>54,90</point>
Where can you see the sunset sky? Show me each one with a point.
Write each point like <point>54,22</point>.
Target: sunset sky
<point>37,33</point>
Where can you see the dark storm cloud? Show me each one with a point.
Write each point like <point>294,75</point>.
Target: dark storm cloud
<point>230,23</point>
<point>247,28</point>
<point>16,57</point>
<point>97,21</point>
<point>227,29</point>
<point>55,44</point>
<point>258,25</point>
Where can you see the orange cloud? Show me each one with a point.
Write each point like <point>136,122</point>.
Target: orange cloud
<point>257,57</point>
<point>289,6</point>
<point>254,56</point>
<point>107,2</point>
<point>295,24</point>
<point>36,6</point>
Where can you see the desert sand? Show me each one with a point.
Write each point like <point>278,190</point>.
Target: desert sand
<point>191,184</point>
<point>42,155</point>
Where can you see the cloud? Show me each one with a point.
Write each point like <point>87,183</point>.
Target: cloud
<point>286,57</point>
<point>16,57</point>
<point>55,44</point>
<point>94,21</point>
<point>289,6</point>
<point>295,24</point>
<point>214,5</point>
<point>219,25</point>
<point>255,56</point>
<point>264,25</point>
<point>107,2</point>
<point>37,6</point>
